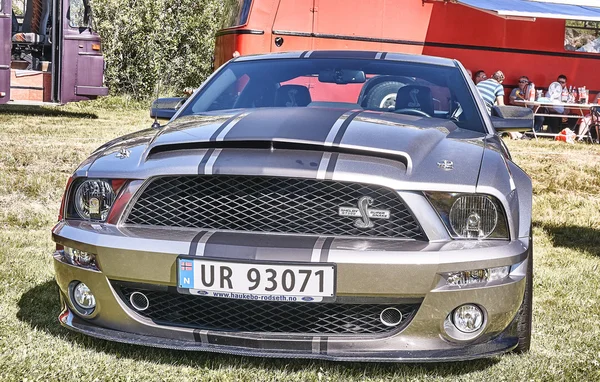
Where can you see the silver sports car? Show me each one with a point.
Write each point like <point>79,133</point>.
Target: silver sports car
<point>322,204</point>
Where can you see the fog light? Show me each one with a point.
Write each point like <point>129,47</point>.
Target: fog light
<point>84,297</point>
<point>477,276</point>
<point>468,318</point>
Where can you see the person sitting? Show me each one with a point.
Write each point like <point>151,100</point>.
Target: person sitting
<point>492,91</point>
<point>555,122</point>
<point>520,93</point>
<point>479,76</point>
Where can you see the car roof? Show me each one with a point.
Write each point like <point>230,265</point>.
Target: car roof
<point>351,54</point>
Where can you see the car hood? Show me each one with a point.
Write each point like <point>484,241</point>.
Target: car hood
<point>420,143</point>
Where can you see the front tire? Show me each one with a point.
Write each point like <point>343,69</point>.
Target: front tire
<point>524,315</point>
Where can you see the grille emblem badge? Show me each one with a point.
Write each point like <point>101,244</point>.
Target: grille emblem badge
<point>364,213</point>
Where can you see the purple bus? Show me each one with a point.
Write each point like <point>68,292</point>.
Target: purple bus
<point>49,53</point>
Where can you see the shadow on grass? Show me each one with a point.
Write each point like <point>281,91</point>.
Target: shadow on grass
<point>39,307</point>
<point>43,111</point>
<point>576,237</point>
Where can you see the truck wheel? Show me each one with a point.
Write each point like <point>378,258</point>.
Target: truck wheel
<point>383,95</point>
<point>525,312</point>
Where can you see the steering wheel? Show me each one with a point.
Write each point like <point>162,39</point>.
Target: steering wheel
<point>409,111</point>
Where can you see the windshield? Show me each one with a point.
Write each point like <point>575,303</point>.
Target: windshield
<point>423,90</point>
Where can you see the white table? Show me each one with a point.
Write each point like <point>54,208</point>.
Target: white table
<point>579,108</point>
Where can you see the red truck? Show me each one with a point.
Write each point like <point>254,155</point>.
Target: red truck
<point>518,37</point>
<point>49,53</point>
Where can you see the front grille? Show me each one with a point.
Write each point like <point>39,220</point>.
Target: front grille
<point>211,313</point>
<point>269,204</point>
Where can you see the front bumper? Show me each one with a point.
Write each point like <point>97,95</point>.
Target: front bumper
<point>370,270</point>
<point>506,341</point>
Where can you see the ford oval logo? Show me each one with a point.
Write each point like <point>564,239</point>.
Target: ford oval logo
<point>307,298</point>
<point>202,292</point>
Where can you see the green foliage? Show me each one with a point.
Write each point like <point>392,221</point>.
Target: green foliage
<point>147,41</point>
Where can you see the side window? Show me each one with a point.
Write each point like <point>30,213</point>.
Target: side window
<point>18,7</point>
<point>582,36</point>
<point>235,13</point>
<point>79,14</point>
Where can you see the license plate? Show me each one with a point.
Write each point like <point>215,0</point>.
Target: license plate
<point>290,282</point>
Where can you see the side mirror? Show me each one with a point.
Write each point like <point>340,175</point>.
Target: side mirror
<point>512,118</point>
<point>165,108</point>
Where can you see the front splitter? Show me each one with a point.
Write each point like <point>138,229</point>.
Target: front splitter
<point>501,344</point>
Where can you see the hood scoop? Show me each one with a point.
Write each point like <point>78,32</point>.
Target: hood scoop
<point>275,145</point>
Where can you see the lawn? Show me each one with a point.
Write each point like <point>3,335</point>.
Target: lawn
<point>41,147</point>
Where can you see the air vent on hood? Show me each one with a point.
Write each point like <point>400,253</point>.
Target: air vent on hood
<point>276,145</point>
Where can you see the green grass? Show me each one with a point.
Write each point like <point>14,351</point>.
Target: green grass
<point>41,147</point>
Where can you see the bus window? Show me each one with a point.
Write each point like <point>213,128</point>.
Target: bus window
<point>236,13</point>
<point>79,14</point>
<point>18,7</point>
<point>582,36</point>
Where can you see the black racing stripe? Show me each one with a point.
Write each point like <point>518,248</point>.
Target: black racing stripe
<point>257,246</point>
<point>194,243</point>
<point>325,250</point>
<point>303,54</point>
<point>323,345</point>
<point>383,56</point>
<point>344,127</point>
<point>197,337</point>
<point>286,124</point>
<point>303,344</point>
<point>223,126</point>
<point>204,160</point>
<point>331,165</point>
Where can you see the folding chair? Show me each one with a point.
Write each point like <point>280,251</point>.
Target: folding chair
<point>589,129</point>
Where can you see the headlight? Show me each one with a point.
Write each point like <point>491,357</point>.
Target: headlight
<point>470,216</point>
<point>473,216</point>
<point>92,199</point>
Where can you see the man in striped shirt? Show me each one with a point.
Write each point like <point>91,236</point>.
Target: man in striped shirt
<point>492,91</point>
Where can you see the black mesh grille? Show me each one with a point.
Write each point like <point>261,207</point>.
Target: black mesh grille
<point>265,204</point>
<point>210,313</point>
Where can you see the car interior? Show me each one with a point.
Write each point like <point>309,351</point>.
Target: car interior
<point>426,91</point>
<point>31,40</point>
